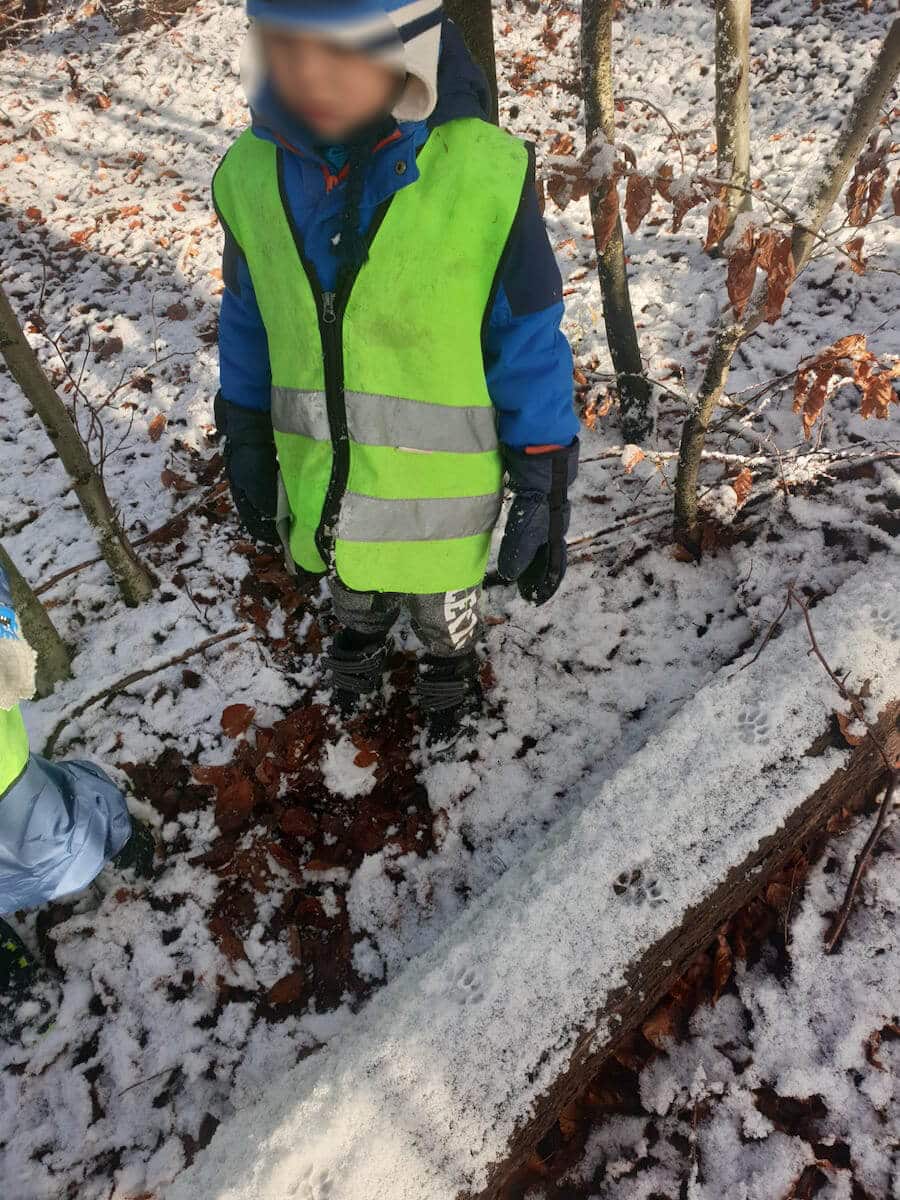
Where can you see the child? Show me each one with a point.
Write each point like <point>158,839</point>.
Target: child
<point>389,337</point>
<point>59,823</point>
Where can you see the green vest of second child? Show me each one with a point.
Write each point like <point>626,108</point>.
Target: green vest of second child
<point>13,747</point>
<point>386,435</point>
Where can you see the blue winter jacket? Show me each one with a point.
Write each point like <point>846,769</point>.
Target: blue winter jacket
<point>528,362</point>
<point>59,824</point>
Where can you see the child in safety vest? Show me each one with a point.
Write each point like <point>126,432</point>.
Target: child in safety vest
<point>390,344</point>
<point>60,823</point>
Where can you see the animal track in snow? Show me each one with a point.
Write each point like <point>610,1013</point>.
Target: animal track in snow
<point>314,1184</point>
<point>886,622</point>
<point>753,723</point>
<point>468,989</point>
<point>640,886</point>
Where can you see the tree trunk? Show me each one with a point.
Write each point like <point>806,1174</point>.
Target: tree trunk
<point>475,19</point>
<point>733,103</point>
<point>633,386</point>
<point>53,660</point>
<point>833,174</point>
<point>134,580</point>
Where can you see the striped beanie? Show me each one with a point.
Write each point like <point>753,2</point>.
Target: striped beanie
<point>404,34</point>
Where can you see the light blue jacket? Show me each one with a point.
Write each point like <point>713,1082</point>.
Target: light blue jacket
<point>59,823</point>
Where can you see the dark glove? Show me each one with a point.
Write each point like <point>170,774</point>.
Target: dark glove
<point>252,467</point>
<point>533,550</point>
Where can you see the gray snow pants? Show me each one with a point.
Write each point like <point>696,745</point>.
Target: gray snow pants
<point>447,623</point>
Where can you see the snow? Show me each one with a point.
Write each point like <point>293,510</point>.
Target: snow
<point>422,1094</point>
<point>582,686</point>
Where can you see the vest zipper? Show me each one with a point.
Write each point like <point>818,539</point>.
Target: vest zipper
<point>332,330</point>
<point>331,307</point>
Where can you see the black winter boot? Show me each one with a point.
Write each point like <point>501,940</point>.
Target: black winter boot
<point>356,664</point>
<point>450,695</point>
<point>18,967</point>
<point>138,852</point>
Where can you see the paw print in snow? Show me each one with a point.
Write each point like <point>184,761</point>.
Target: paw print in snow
<point>314,1184</point>
<point>468,989</point>
<point>753,724</point>
<point>886,622</point>
<point>639,886</point>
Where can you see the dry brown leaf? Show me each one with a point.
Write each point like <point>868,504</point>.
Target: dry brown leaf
<point>661,1026</point>
<point>741,277</point>
<point>776,258</point>
<point>607,216</point>
<point>718,223</point>
<point>156,427</point>
<point>854,250</point>
<point>178,483</point>
<point>850,346</point>
<point>878,395</point>
<point>663,182</point>
<point>288,990</point>
<point>638,199</point>
<point>723,965</point>
<point>685,200</point>
<point>743,486</point>
<point>237,719</point>
<point>631,456</point>
<point>845,720</point>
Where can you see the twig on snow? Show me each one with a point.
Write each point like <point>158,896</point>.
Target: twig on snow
<point>862,861</point>
<point>211,494</point>
<point>893,768</point>
<point>120,685</point>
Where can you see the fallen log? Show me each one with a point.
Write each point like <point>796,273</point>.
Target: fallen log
<point>452,1072</point>
<point>651,977</point>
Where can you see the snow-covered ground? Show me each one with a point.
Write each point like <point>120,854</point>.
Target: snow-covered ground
<point>259,939</point>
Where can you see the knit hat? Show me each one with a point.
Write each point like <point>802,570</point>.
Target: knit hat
<point>403,34</point>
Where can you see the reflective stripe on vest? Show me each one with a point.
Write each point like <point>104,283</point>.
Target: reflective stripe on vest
<point>13,747</point>
<point>386,433</point>
<point>389,421</point>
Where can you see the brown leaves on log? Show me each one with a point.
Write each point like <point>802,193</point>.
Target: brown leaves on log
<point>847,358</point>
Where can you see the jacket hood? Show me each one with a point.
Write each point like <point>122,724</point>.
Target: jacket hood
<point>461,91</point>
<point>403,34</point>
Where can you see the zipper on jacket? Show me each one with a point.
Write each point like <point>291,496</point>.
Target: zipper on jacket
<point>332,330</point>
<point>331,307</point>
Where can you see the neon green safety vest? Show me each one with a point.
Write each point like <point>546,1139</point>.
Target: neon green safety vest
<point>385,431</point>
<point>13,747</point>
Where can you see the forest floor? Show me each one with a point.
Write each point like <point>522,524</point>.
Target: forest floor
<point>305,860</point>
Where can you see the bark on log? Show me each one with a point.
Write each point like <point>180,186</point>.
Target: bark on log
<point>634,388</point>
<point>134,580</point>
<point>53,659</point>
<point>835,170</point>
<point>475,19</point>
<point>651,977</point>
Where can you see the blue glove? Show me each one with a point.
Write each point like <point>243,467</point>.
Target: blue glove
<point>533,550</point>
<point>252,467</point>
